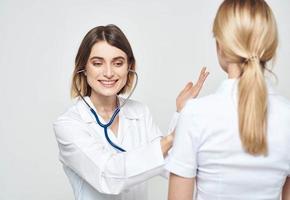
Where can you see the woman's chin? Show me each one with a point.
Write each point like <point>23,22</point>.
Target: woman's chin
<point>107,92</point>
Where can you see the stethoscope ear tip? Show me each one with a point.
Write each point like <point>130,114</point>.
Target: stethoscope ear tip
<point>80,71</point>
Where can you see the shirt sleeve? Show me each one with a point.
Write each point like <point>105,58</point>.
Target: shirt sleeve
<point>154,133</point>
<point>182,160</point>
<point>173,122</point>
<point>152,129</point>
<point>106,171</point>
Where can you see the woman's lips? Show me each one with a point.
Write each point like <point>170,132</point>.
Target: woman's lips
<point>108,83</point>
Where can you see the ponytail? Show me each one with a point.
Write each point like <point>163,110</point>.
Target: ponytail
<point>252,108</point>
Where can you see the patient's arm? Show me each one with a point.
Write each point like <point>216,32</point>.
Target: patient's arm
<point>286,190</point>
<point>180,188</point>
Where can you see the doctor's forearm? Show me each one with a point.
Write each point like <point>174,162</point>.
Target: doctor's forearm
<point>166,144</point>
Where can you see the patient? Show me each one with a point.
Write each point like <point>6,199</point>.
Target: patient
<point>235,143</point>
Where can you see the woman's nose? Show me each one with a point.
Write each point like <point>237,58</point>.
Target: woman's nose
<point>108,71</point>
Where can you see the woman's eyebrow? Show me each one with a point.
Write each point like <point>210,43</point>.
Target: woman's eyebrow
<point>96,57</point>
<point>119,58</point>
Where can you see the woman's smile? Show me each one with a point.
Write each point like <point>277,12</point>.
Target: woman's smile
<point>108,83</point>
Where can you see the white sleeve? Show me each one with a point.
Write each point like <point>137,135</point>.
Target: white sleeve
<point>107,172</point>
<point>182,160</point>
<point>173,122</point>
<point>172,127</point>
<point>154,131</point>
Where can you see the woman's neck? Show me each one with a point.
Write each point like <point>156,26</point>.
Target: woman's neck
<point>233,70</point>
<point>105,107</point>
<point>104,104</point>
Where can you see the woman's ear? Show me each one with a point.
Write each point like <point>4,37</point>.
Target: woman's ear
<point>129,67</point>
<point>219,49</point>
<point>85,70</point>
<point>221,57</point>
<point>217,45</point>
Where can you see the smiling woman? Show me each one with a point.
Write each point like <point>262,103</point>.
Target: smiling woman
<point>106,70</point>
<point>95,167</point>
<point>116,51</point>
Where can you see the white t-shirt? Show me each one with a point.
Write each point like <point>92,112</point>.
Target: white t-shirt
<point>94,168</point>
<point>208,147</point>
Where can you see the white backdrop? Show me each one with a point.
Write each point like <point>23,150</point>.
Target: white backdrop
<point>38,42</point>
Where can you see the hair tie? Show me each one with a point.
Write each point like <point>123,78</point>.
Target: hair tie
<point>252,58</point>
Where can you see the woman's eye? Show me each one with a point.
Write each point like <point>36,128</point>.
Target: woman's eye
<point>97,64</point>
<point>118,64</point>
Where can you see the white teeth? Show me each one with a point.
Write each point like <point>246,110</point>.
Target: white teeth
<point>108,82</point>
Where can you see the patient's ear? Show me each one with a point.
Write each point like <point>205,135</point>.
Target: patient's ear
<point>221,57</point>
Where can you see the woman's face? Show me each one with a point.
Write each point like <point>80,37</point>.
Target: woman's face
<point>106,69</point>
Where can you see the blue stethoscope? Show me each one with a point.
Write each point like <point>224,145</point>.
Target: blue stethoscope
<point>116,112</point>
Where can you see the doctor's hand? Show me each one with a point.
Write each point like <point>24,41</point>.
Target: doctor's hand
<point>166,144</point>
<point>190,90</point>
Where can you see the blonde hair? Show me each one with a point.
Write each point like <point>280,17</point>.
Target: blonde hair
<point>114,36</point>
<point>247,33</point>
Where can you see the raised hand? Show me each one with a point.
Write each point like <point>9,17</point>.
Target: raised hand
<point>190,90</point>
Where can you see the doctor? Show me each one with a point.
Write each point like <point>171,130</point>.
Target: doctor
<point>96,170</point>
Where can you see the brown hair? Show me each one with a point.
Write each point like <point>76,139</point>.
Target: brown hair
<point>113,36</point>
<point>247,32</point>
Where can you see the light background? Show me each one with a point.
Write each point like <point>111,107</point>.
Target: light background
<point>171,40</point>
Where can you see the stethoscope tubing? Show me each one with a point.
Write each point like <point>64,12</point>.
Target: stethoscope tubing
<point>116,112</point>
